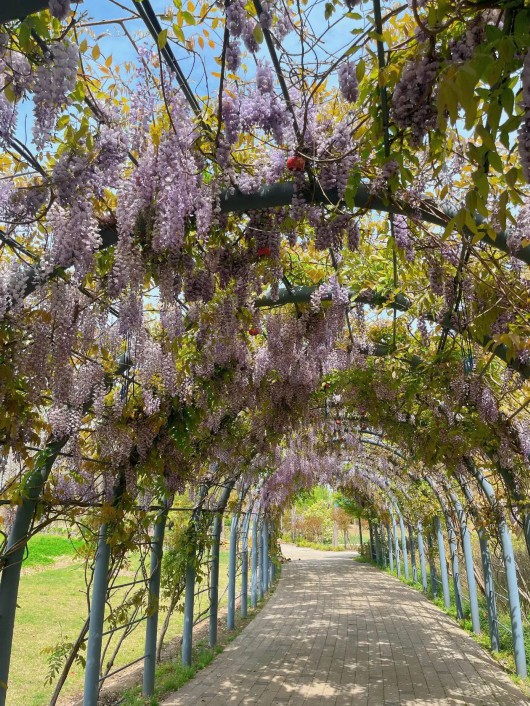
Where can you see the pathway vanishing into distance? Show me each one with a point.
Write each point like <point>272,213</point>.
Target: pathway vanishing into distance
<point>335,633</point>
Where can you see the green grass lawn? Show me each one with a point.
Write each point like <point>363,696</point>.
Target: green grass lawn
<point>52,606</point>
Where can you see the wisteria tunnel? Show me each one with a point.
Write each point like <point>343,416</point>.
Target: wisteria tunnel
<point>263,283</point>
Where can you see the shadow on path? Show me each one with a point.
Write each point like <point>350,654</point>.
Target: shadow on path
<point>341,633</point>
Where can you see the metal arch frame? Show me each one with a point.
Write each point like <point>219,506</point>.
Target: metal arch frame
<point>509,566</point>
<point>485,557</point>
<point>441,548</point>
<point>487,572</point>
<point>453,550</point>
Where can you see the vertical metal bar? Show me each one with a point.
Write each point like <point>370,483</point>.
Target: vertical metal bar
<point>403,544</point>
<point>14,555</point>
<point>214,580</point>
<point>372,543</point>
<point>244,566</point>
<point>413,555</point>
<point>487,572</point>
<point>157,548</point>
<point>97,615</point>
<point>390,550</point>
<point>489,586</point>
<point>396,543</point>
<point>232,564</point>
<point>189,599</point>
<point>443,562</point>
<point>254,564</point>
<point>259,575</point>
<point>421,552</point>
<point>511,576</point>
<point>468,558</point>
<point>453,547</point>
<point>265,556</point>
<point>432,566</point>
<point>377,545</point>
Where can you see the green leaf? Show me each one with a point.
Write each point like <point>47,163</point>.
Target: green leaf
<point>188,17</point>
<point>162,39</point>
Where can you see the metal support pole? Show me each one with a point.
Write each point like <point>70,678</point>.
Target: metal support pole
<point>453,550</point>
<point>413,555</point>
<point>390,551</point>
<point>511,576</point>
<point>468,558</point>
<point>157,548</point>
<point>432,566</point>
<point>214,566</point>
<point>403,544</point>
<point>254,564</point>
<point>14,555</point>
<point>189,599</point>
<point>396,543</point>
<point>377,545</point>
<point>232,565</point>
<point>487,572</point>
<point>489,586</point>
<point>371,540</point>
<point>265,556</point>
<point>421,552</point>
<point>97,615</point>
<point>244,566</point>
<point>214,580</point>
<point>443,562</point>
<point>259,575</point>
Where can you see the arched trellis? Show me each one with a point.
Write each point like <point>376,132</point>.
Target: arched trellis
<point>311,196</point>
<point>508,558</point>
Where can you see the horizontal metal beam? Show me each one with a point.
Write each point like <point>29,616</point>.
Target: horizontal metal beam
<point>19,9</point>
<point>301,295</point>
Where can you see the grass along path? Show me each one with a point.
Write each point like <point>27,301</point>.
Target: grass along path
<point>52,607</point>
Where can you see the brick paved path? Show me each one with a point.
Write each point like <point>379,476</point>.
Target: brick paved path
<point>337,633</point>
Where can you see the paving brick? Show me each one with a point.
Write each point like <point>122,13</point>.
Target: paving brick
<point>340,633</point>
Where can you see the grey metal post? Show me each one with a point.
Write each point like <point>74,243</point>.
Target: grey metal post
<point>97,615</point>
<point>489,587</point>
<point>421,552</point>
<point>14,555</point>
<point>157,548</point>
<point>189,599</point>
<point>511,576</point>
<point>214,580</point>
<point>443,562</point>
<point>244,566</point>
<point>390,550</point>
<point>265,556</point>
<point>254,564</point>
<point>384,553</point>
<point>468,558</point>
<point>487,573</point>
<point>453,549</point>
<point>260,565</point>
<point>403,544</point>
<point>214,566</point>
<point>413,555</point>
<point>232,565</point>
<point>371,540</point>
<point>377,545</point>
<point>396,542</point>
<point>432,566</point>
